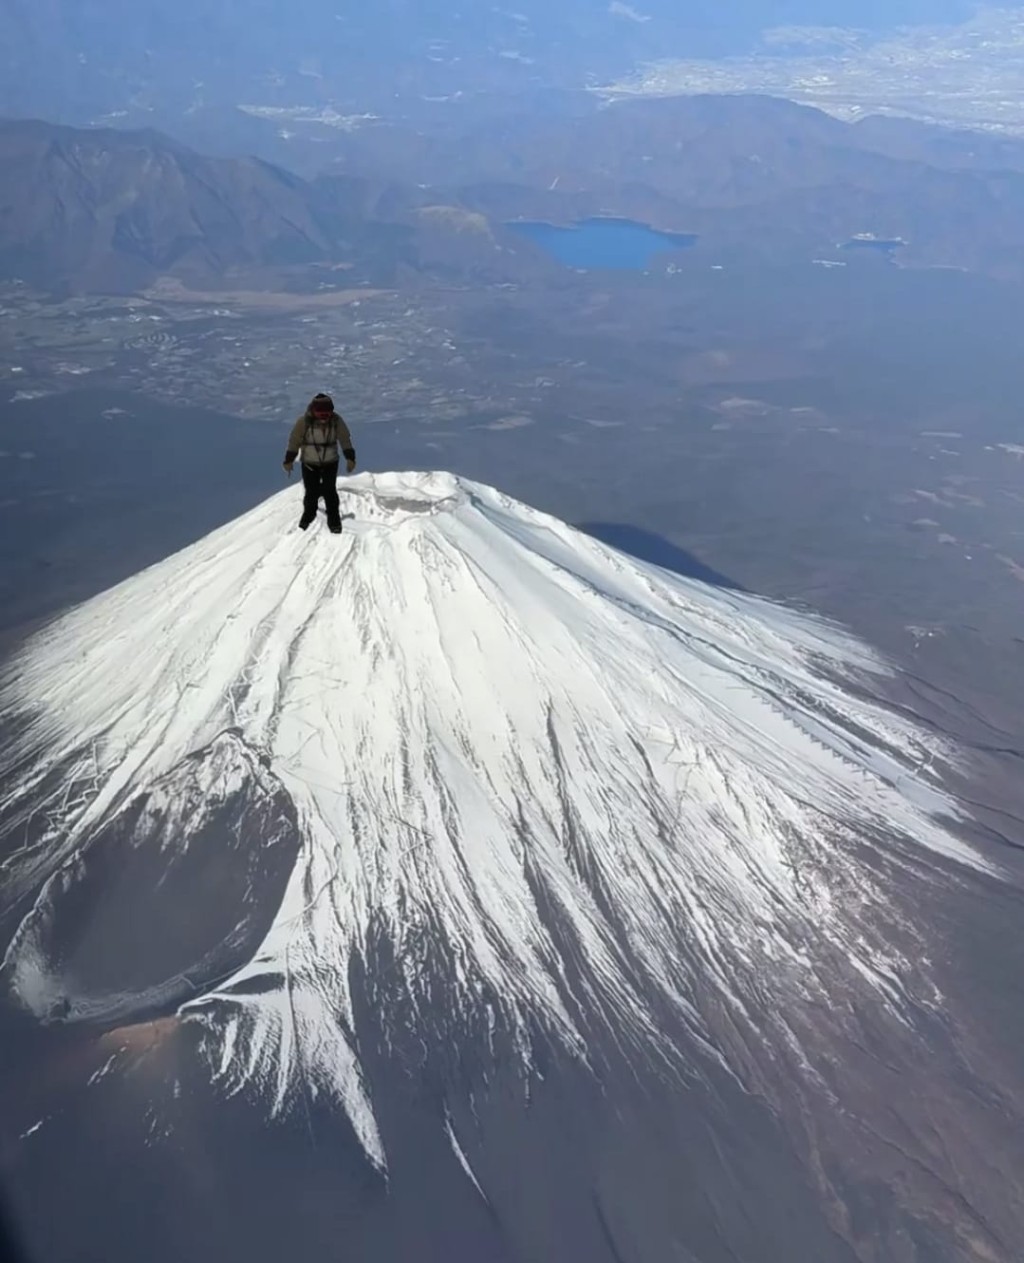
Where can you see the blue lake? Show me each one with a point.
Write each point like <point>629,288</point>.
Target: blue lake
<point>603,243</point>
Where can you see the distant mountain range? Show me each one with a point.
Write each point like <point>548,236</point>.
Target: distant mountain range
<point>753,177</point>
<point>108,209</point>
<point>101,209</point>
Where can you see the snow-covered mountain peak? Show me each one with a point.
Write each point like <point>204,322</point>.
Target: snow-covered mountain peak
<point>394,497</point>
<point>536,788</point>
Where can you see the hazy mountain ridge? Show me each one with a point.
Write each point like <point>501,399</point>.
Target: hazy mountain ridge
<point>102,210</point>
<point>109,209</point>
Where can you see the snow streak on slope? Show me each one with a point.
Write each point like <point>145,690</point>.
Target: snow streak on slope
<point>562,787</point>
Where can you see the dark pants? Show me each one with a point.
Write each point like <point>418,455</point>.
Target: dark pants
<point>321,480</point>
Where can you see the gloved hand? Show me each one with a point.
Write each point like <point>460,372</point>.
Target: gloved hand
<point>350,465</point>
<point>287,467</point>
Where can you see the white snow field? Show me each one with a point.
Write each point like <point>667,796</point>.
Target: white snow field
<point>568,780</point>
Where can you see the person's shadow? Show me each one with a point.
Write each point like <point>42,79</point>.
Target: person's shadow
<point>647,546</point>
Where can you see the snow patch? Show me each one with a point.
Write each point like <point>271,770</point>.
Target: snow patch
<point>457,1149</point>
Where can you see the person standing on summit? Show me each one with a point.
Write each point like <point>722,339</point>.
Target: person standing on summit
<point>317,435</point>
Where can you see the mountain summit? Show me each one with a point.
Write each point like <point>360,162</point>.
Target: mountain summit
<point>565,906</point>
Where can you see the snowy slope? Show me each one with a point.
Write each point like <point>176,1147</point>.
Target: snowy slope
<point>558,790</point>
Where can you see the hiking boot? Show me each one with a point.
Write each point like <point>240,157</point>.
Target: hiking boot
<point>334,527</point>
<point>306,520</point>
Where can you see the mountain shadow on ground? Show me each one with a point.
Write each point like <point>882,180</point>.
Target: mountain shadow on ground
<point>648,546</point>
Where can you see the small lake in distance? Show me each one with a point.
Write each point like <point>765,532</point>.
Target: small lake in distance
<point>603,243</point>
